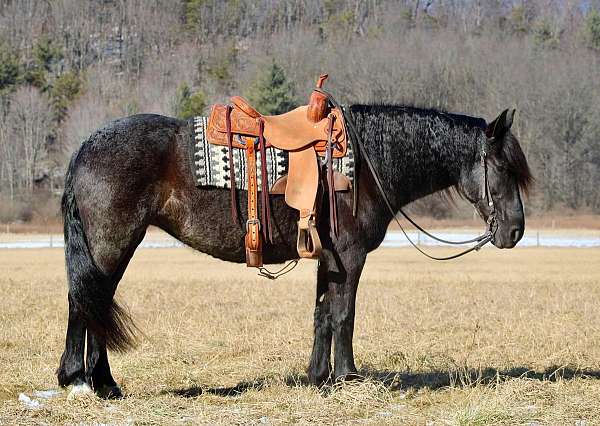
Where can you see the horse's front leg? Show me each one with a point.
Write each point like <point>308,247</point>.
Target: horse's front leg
<point>319,369</point>
<point>342,304</point>
<point>337,281</point>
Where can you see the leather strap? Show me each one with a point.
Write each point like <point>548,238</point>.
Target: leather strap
<point>231,167</point>
<point>253,238</point>
<point>264,180</point>
<point>330,182</point>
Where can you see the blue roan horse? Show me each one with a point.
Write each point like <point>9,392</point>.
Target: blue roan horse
<point>137,171</point>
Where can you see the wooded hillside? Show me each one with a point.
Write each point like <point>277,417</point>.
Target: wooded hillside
<point>67,66</point>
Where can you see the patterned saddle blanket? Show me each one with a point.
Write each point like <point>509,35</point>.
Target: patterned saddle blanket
<point>211,162</point>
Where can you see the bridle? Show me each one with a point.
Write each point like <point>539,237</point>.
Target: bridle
<point>485,194</point>
<point>480,241</point>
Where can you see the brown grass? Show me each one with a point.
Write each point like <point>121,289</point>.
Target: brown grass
<point>499,337</point>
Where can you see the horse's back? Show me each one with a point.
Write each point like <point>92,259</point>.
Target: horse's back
<point>128,137</point>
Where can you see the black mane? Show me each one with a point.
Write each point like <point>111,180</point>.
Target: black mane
<point>452,118</point>
<point>427,131</point>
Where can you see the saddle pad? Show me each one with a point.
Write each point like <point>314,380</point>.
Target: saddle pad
<point>211,162</point>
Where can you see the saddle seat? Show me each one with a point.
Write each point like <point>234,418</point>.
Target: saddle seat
<point>306,133</point>
<point>292,130</point>
<point>289,131</point>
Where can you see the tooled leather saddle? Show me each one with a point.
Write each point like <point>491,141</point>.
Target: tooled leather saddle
<point>306,133</point>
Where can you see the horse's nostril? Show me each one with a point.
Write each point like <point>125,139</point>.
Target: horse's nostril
<point>515,234</point>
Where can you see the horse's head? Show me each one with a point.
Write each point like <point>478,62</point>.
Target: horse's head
<point>494,182</point>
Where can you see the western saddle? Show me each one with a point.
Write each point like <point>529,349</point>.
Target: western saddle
<point>306,133</point>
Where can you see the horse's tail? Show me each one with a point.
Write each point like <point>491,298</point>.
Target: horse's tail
<point>90,290</point>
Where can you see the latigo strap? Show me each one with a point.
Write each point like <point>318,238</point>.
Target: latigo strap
<point>253,237</point>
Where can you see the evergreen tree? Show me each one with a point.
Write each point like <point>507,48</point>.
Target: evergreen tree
<point>272,93</point>
<point>46,55</point>
<point>64,90</point>
<point>192,15</point>
<point>187,103</point>
<point>591,30</point>
<point>9,69</point>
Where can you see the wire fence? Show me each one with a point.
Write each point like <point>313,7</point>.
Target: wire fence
<point>534,238</point>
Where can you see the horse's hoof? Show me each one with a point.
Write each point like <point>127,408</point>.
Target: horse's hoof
<point>110,392</point>
<point>79,390</point>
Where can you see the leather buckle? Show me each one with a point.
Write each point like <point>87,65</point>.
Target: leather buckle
<point>250,222</point>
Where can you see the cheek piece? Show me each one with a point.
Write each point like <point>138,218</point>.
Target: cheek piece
<point>487,196</point>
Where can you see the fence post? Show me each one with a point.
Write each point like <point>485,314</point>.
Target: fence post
<point>51,241</point>
<point>538,238</point>
<point>419,237</point>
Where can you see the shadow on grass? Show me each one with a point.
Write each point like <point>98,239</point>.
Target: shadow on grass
<point>230,391</point>
<point>403,381</point>
<point>470,377</point>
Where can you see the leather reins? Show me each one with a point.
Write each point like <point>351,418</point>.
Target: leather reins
<point>358,148</point>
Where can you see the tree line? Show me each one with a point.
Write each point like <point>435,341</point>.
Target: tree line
<point>67,66</point>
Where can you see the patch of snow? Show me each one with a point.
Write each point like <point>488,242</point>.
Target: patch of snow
<point>32,404</point>
<point>47,394</point>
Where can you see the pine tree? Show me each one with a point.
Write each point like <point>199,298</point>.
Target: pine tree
<point>63,91</point>
<point>46,56</point>
<point>187,103</point>
<point>591,30</point>
<point>272,93</point>
<point>9,69</point>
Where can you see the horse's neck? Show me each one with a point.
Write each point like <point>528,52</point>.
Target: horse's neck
<point>414,167</point>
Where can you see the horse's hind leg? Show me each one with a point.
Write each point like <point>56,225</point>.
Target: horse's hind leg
<point>97,368</point>
<point>95,372</point>
<point>96,259</point>
<point>71,368</point>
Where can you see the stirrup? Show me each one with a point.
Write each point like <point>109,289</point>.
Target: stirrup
<point>309,243</point>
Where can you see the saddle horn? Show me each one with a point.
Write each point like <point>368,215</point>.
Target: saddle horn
<point>317,104</point>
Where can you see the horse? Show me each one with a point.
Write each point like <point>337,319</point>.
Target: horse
<point>137,171</point>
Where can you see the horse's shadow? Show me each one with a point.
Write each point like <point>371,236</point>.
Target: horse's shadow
<point>240,388</point>
<point>405,381</point>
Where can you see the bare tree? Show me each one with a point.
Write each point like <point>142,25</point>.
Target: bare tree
<point>29,122</point>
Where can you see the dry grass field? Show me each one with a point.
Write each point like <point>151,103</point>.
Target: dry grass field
<point>497,337</point>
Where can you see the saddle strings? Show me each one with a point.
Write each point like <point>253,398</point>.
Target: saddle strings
<point>480,240</point>
<point>333,222</point>
<point>231,169</point>
<point>264,196</point>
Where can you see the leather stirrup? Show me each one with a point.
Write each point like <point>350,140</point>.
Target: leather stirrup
<point>309,243</point>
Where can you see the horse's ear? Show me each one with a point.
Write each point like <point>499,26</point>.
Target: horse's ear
<point>497,128</point>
